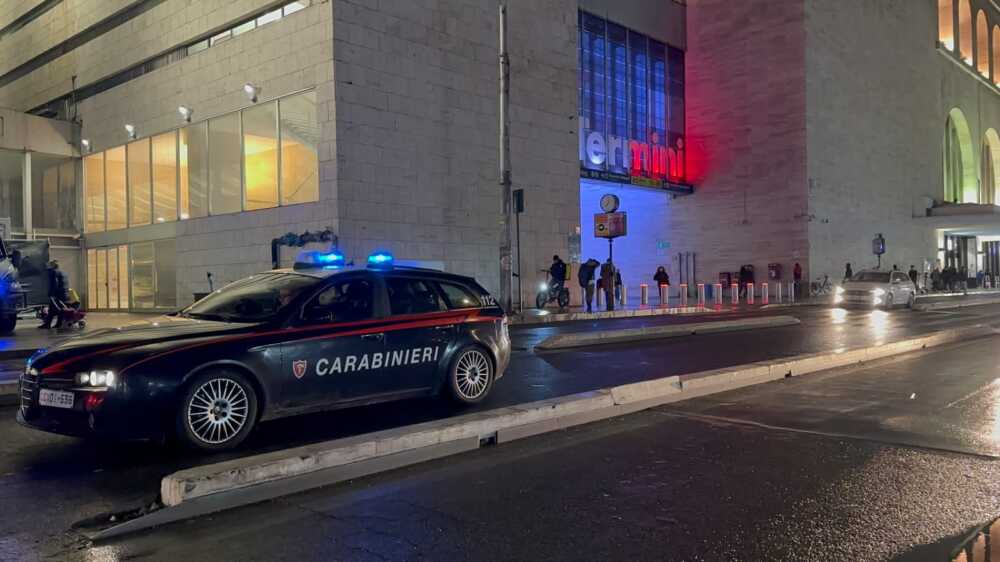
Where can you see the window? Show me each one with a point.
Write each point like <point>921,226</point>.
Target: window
<point>459,297</point>
<point>631,105</point>
<point>221,37</point>
<point>123,273</point>
<point>114,178</point>
<point>293,7</point>
<point>982,45</point>
<point>343,301</point>
<point>260,155</point>
<point>93,192</point>
<point>140,186</point>
<point>412,296</point>
<point>299,141</point>
<point>165,177</point>
<point>193,170</point>
<point>996,54</point>
<point>92,302</point>
<point>224,173</point>
<point>165,254</point>
<point>989,166</point>
<point>960,182</point>
<point>274,15</point>
<point>241,29</point>
<point>946,24</point>
<point>254,299</point>
<point>143,276</point>
<point>197,47</point>
<point>965,30</point>
<point>12,187</point>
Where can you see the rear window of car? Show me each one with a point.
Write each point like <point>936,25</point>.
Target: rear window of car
<point>412,296</point>
<point>458,296</point>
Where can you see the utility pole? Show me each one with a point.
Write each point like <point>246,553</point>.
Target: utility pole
<point>506,267</point>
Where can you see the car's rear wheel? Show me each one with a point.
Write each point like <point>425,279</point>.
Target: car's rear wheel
<point>218,411</point>
<point>470,377</point>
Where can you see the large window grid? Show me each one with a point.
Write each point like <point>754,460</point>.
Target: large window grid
<point>259,157</point>
<point>631,103</point>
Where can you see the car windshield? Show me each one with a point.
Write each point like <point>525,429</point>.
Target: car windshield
<point>871,277</point>
<point>254,299</point>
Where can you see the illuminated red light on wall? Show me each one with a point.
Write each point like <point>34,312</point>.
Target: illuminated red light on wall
<point>657,161</point>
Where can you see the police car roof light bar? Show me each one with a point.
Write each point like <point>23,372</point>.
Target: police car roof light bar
<point>327,260</point>
<point>380,260</point>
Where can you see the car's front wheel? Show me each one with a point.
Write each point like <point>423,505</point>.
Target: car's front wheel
<point>470,377</point>
<point>217,411</point>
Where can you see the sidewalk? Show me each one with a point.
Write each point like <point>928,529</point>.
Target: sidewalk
<point>27,337</point>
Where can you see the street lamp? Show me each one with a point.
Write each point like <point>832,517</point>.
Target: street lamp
<point>130,129</point>
<point>185,112</point>
<point>251,91</point>
<point>85,146</point>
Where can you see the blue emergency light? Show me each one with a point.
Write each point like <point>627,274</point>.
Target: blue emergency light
<point>380,260</point>
<point>327,260</point>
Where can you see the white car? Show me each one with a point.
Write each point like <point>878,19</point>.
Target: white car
<point>876,288</point>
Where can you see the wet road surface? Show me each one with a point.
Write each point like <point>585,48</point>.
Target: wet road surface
<point>833,466</point>
<point>60,481</point>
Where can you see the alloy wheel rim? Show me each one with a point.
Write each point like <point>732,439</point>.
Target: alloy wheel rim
<point>218,410</point>
<point>472,374</point>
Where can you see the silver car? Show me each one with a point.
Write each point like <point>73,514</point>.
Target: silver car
<point>875,288</point>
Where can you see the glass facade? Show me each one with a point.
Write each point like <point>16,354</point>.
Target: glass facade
<point>53,193</point>
<point>631,106</point>
<point>260,157</point>
<point>12,187</point>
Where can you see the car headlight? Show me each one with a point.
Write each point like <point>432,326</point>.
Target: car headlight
<point>96,379</point>
<point>878,292</point>
<point>839,290</point>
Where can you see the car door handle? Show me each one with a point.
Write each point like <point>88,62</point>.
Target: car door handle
<point>444,328</point>
<point>378,336</point>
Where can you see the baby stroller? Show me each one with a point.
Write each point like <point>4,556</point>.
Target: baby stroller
<point>70,315</point>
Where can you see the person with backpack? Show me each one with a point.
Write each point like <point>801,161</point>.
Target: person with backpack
<point>586,277</point>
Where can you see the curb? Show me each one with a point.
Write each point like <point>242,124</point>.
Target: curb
<point>216,487</point>
<point>581,339</point>
<point>944,305</point>
<point>626,313</point>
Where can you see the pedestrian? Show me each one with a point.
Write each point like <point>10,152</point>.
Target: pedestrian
<point>586,277</point>
<point>797,277</point>
<point>57,296</point>
<point>913,275</point>
<point>848,272</point>
<point>936,278</point>
<point>661,277</point>
<point>608,283</point>
<point>895,267</point>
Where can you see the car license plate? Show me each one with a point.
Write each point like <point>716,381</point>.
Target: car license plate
<point>55,398</point>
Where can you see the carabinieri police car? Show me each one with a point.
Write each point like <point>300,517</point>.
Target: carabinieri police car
<point>321,335</point>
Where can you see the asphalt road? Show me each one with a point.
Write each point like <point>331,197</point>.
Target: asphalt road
<point>60,481</point>
<point>890,461</point>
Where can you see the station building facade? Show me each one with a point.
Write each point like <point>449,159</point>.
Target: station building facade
<point>741,133</point>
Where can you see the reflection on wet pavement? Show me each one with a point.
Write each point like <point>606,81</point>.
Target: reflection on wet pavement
<point>984,546</point>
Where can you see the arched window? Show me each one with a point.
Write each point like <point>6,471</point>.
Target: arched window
<point>996,54</point>
<point>982,44</point>
<point>946,24</point>
<point>990,167</point>
<point>965,30</point>
<point>960,185</point>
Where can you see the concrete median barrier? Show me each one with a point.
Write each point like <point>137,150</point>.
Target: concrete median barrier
<point>216,487</point>
<point>602,337</point>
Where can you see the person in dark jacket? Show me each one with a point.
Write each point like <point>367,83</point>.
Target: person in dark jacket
<point>586,276</point>
<point>913,275</point>
<point>661,277</point>
<point>848,272</point>
<point>57,296</point>
<point>558,273</point>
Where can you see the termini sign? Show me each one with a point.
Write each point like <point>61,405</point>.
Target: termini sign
<point>649,164</point>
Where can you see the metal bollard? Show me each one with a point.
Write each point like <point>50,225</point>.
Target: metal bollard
<point>684,295</point>
<point>777,292</point>
<point>791,292</point>
<point>624,296</point>
<point>664,295</point>
<point>735,290</point>
<point>718,294</point>
<point>765,293</point>
<point>749,293</point>
<point>600,299</point>
<point>644,294</point>
<point>701,294</point>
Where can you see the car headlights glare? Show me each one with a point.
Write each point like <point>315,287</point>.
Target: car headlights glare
<point>96,379</point>
<point>878,292</point>
<point>839,290</point>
